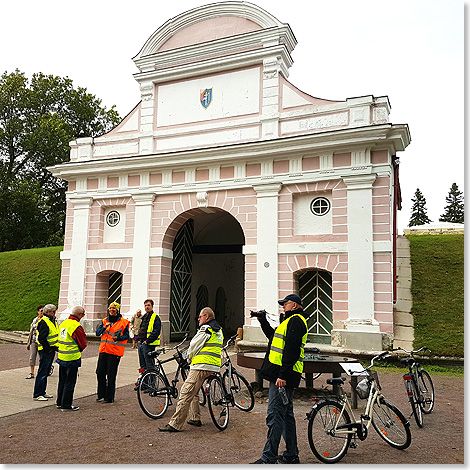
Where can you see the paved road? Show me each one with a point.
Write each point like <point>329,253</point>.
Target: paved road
<point>121,434</point>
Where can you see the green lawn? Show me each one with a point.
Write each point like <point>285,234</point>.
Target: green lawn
<point>437,264</point>
<point>27,278</point>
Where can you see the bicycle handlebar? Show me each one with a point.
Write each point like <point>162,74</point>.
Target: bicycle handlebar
<point>157,352</point>
<point>423,348</point>
<point>378,357</point>
<point>230,340</point>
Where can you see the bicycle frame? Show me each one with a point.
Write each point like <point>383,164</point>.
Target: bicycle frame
<point>416,389</point>
<point>345,429</point>
<point>158,366</point>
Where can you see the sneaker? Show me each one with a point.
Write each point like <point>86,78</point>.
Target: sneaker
<point>168,428</point>
<point>288,460</point>
<point>260,461</point>
<point>195,422</point>
<point>72,408</point>
<point>40,398</point>
<point>108,401</point>
<point>30,376</point>
<point>99,399</point>
<point>48,396</point>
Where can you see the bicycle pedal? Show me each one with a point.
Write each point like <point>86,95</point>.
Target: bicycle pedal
<point>365,417</point>
<point>352,445</point>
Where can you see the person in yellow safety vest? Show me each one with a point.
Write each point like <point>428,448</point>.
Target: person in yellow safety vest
<point>149,335</point>
<point>72,341</point>
<point>114,332</point>
<point>47,346</point>
<point>283,366</point>
<point>204,357</point>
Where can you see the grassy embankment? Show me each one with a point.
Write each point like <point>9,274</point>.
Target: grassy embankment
<point>437,265</point>
<point>27,278</point>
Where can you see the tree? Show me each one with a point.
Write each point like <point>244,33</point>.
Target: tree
<point>454,210</point>
<point>419,214</point>
<point>38,119</point>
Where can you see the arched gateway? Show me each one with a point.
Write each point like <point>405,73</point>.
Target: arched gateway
<point>227,186</point>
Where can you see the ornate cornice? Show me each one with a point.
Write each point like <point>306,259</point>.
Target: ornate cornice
<point>385,136</point>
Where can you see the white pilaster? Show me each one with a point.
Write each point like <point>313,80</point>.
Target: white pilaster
<point>81,218</point>
<point>360,261</point>
<point>270,99</point>
<point>141,250</point>
<point>267,241</point>
<point>147,91</point>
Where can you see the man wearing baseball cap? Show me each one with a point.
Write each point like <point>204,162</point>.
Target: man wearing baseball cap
<point>283,366</point>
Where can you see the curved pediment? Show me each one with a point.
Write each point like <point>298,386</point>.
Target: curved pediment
<point>208,23</point>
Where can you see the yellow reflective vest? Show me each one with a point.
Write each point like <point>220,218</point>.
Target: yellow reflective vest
<point>150,329</point>
<point>53,332</point>
<point>276,350</point>
<point>210,352</point>
<point>68,348</point>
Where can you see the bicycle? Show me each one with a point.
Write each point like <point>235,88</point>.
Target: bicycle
<point>419,386</point>
<point>331,430</point>
<point>230,388</point>
<point>154,390</point>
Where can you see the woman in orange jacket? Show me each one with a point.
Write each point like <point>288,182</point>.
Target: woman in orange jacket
<point>114,332</point>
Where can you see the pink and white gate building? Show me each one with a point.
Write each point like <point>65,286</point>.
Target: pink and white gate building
<point>228,186</point>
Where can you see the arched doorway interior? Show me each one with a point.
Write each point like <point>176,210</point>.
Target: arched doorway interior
<point>208,270</point>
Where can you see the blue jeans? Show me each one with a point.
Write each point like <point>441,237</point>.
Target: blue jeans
<point>281,422</point>
<point>45,363</point>
<point>144,360</point>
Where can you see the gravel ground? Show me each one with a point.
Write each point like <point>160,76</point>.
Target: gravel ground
<point>120,433</point>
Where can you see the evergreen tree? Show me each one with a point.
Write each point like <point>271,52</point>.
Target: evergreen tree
<point>419,211</point>
<point>454,210</point>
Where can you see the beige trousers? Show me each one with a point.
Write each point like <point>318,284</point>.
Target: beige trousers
<point>188,402</point>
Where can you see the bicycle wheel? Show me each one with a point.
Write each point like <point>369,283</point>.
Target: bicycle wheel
<point>427,391</point>
<point>328,445</point>
<point>415,401</point>
<point>202,396</point>
<point>152,394</point>
<point>218,404</point>
<point>242,392</point>
<point>390,424</point>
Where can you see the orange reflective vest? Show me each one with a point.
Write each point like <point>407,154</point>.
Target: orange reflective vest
<point>108,345</point>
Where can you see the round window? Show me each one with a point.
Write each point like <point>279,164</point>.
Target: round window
<point>112,219</point>
<point>320,206</point>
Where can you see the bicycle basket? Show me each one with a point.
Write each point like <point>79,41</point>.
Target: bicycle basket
<point>363,388</point>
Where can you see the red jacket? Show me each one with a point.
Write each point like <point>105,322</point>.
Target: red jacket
<point>79,335</point>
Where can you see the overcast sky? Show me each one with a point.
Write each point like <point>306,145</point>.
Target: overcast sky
<point>410,50</point>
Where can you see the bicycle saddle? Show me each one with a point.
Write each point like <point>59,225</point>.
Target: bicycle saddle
<point>407,361</point>
<point>335,381</point>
